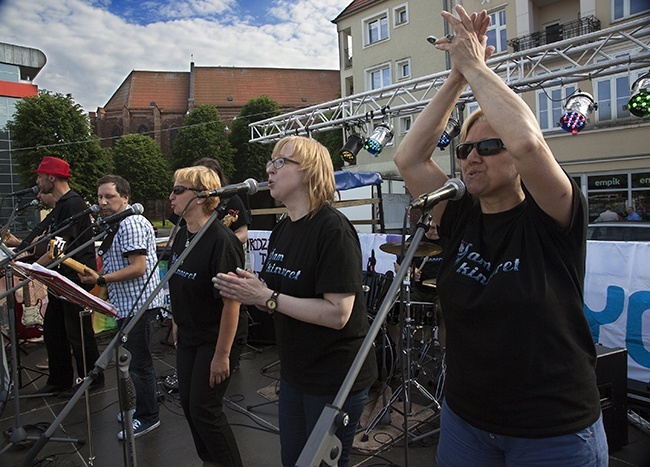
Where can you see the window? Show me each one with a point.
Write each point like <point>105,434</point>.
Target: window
<point>405,124</point>
<point>7,109</point>
<point>550,105</point>
<point>496,33</point>
<point>10,73</point>
<point>626,8</point>
<point>612,94</point>
<point>378,77</point>
<point>400,15</point>
<point>404,68</point>
<point>376,28</point>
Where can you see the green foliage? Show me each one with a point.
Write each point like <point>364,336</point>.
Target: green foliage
<point>52,124</point>
<point>252,157</point>
<point>333,141</point>
<point>203,135</point>
<point>138,159</point>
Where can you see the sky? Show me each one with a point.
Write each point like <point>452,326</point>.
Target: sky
<point>92,45</point>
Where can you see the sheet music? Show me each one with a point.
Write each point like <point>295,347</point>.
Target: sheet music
<point>66,288</point>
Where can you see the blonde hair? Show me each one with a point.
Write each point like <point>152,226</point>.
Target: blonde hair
<point>315,164</point>
<point>202,179</point>
<point>476,116</point>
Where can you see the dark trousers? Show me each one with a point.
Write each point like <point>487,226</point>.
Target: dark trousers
<point>62,333</point>
<point>203,406</point>
<point>141,367</point>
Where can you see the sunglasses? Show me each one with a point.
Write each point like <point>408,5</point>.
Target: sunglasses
<point>279,163</point>
<point>180,189</point>
<point>486,147</point>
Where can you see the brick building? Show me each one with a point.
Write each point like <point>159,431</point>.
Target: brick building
<point>155,102</point>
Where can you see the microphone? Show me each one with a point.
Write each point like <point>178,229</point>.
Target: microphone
<point>136,208</point>
<point>248,186</point>
<point>32,203</point>
<point>453,189</point>
<point>32,190</point>
<point>94,209</point>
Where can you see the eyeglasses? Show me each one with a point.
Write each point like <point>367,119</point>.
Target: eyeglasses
<point>486,147</point>
<point>180,189</point>
<point>279,163</point>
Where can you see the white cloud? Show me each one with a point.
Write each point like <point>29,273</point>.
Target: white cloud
<point>91,51</point>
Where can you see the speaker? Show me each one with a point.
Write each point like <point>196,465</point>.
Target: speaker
<point>611,376</point>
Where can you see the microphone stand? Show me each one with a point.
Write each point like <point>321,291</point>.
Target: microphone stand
<point>323,448</point>
<point>112,348</point>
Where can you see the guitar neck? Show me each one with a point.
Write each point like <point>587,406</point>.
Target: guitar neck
<point>76,266</point>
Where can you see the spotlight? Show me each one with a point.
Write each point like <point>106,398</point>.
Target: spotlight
<point>451,131</point>
<point>576,110</point>
<point>352,147</point>
<point>639,103</point>
<point>381,136</point>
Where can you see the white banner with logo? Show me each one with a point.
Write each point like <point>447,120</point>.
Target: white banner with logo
<point>617,290</point>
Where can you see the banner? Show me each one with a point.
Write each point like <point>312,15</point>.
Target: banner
<point>617,300</point>
<point>617,290</point>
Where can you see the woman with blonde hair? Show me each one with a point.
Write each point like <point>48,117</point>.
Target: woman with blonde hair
<point>312,286</point>
<point>209,330</point>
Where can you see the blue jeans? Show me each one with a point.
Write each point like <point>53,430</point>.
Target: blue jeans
<point>298,414</point>
<point>461,445</point>
<point>141,367</point>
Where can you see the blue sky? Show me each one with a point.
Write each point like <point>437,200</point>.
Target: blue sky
<point>92,45</point>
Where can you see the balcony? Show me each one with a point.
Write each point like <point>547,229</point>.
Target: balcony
<point>556,33</point>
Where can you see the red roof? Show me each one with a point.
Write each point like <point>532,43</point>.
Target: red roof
<point>225,87</point>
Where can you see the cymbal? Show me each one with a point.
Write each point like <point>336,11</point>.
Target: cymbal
<point>423,249</point>
<point>430,283</point>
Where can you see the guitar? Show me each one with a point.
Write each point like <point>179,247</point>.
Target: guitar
<point>55,251</point>
<point>29,319</point>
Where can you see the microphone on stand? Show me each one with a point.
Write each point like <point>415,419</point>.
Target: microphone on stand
<point>94,209</point>
<point>136,208</point>
<point>453,189</point>
<point>32,190</point>
<point>248,186</point>
<point>32,203</point>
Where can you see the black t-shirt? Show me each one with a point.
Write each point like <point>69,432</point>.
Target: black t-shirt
<point>306,259</point>
<point>520,356</point>
<point>196,304</point>
<point>76,234</point>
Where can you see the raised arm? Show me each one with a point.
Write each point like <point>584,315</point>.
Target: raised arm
<point>413,156</point>
<point>510,117</point>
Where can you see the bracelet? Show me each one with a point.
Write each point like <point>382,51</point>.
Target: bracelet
<point>101,281</point>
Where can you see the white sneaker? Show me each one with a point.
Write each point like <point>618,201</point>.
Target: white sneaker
<point>119,415</point>
<point>139,429</point>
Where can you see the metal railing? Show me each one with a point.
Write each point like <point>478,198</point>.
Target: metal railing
<point>575,28</point>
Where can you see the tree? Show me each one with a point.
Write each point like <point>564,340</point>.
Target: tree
<point>251,158</point>
<point>203,135</point>
<point>52,124</point>
<point>138,159</point>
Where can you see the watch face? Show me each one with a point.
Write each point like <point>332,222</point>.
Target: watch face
<point>271,303</point>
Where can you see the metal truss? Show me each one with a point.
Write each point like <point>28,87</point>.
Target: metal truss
<point>621,48</point>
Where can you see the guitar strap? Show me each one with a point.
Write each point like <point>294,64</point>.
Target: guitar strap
<point>108,240</point>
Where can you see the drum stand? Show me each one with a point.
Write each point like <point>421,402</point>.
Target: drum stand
<point>408,379</point>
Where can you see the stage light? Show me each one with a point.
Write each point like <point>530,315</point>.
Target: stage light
<point>577,109</point>
<point>351,148</point>
<point>381,136</point>
<point>451,131</point>
<point>639,103</point>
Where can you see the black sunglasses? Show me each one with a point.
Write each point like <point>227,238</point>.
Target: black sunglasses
<point>180,189</point>
<point>486,147</point>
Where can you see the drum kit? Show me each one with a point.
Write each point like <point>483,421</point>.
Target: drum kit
<point>407,346</point>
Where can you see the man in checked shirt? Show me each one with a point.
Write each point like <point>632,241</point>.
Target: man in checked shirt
<point>129,259</point>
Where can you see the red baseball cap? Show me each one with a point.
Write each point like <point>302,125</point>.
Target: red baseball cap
<point>54,166</point>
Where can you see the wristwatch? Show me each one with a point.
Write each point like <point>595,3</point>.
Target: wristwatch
<point>272,302</point>
<point>101,281</point>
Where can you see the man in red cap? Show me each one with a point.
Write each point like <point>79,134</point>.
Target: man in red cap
<point>62,328</point>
